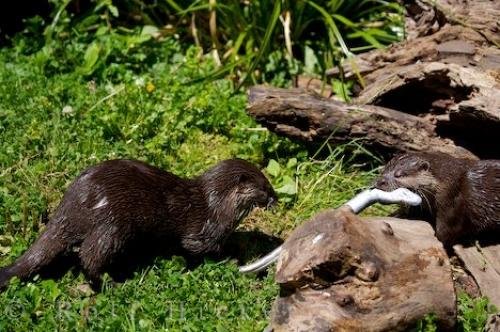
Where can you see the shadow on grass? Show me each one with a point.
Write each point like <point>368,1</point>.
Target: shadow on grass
<point>248,245</point>
<point>243,246</point>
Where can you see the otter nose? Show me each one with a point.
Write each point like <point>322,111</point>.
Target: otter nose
<point>382,183</point>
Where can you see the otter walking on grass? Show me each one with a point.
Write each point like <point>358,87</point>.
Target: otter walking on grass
<point>109,207</point>
<point>461,196</point>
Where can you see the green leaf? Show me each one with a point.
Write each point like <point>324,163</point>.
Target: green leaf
<point>311,61</point>
<point>288,187</point>
<point>149,30</point>
<point>102,31</point>
<point>341,90</point>
<point>273,168</point>
<point>292,162</point>
<point>113,10</point>
<point>90,58</point>
<point>237,45</point>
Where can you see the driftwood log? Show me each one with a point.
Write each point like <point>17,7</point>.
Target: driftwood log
<point>493,323</point>
<point>340,272</point>
<point>437,90</point>
<point>483,262</point>
<point>309,117</point>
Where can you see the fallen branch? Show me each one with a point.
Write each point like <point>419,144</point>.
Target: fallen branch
<point>308,117</point>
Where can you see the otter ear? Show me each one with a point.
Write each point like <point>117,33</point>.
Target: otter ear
<point>242,178</point>
<point>424,166</point>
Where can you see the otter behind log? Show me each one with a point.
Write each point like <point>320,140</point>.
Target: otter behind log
<point>112,205</point>
<point>461,196</point>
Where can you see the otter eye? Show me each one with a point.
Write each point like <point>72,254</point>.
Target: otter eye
<point>424,166</point>
<point>242,178</point>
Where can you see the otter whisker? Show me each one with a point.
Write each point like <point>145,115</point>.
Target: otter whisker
<point>460,196</point>
<point>426,193</point>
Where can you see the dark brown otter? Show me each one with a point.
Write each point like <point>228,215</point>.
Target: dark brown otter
<point>110,206</point>
<point>460,196</point>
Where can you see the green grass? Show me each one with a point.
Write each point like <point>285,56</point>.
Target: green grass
<point>56,120</point>
<point>473,313</point>
<point>245,38</point>
<point>164,297</point>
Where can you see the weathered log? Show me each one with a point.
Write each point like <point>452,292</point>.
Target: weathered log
<point>493,323</point>
<point>339,272</point>
<point>449,31</point>
<point>446,74</point>
<point>483,262</point>
<point>308,117</point>
<point>464,282</point>
<point>462,103</point>
<point>446,46</point>
<point>447,71</point>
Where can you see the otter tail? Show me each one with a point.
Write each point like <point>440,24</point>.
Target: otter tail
<point>46,248</point>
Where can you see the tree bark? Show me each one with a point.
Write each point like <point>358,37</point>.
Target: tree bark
<point>339,272</point>
<point>304,116</point>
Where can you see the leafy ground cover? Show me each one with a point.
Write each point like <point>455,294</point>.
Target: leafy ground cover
<point>66,105</point>
<point>248,40</point>
<point>55,123</point>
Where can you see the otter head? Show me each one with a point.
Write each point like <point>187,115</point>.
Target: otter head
<point>411,171</point>
<point>235,187</point>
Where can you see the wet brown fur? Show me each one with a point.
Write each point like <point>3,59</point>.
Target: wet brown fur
<point>461,196</point>
<point>117,204</point>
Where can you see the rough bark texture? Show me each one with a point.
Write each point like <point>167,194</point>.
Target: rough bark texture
<point>305,116</point>
<point>449,31</point>
<point>339,272</point>
<point>446,74</point>
<point>483,262</point>
<point>493,323</point>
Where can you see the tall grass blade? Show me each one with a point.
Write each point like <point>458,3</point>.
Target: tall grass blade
<point>174,5</point>
<point>265,42</point>
<point>333,27</point>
